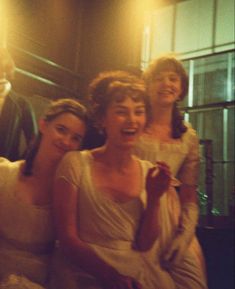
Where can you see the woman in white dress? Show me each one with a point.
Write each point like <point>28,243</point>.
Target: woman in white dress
<point>170,139</point>
<point>110,206</point>
<point>26,227</point>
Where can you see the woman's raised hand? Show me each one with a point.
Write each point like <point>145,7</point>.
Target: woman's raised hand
<point>158,181</point>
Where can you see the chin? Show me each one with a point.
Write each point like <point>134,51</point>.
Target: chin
<point>129,145</point>
<point>58,155</point>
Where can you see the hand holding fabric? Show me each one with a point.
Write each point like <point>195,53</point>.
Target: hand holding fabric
<point>176,250</point>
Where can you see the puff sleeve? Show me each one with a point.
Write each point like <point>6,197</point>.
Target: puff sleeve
<point>69,168</point>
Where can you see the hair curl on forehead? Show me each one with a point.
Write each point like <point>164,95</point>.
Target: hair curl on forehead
<point>115,86</point>
<point>167,62</point>
<point>118,91</point>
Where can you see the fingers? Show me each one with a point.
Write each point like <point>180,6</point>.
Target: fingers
<point>151,172</point>
<point>163,167</point>
<point>158,182</point>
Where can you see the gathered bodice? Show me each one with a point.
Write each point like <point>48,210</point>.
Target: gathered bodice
<point>181,156</point>
<point>22,225</point>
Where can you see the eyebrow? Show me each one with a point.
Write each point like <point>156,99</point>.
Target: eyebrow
<point>76,134</point>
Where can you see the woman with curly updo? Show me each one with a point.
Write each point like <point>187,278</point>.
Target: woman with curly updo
<point>109,204</point>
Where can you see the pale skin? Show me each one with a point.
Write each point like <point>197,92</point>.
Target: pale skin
<point>117,173</point>
<point>60,135</point>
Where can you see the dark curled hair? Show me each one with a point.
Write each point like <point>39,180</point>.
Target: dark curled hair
<point>55,109</point>
<point>169,62</point>
<point>115,85</point>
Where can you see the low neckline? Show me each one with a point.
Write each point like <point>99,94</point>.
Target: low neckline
<point>105,195</point>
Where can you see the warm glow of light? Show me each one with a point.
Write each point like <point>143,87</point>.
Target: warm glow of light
<point>3,24</point>
<point>144,5</point>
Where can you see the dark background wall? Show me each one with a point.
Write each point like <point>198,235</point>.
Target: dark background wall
<point>84,36</point>
<point>112,35</point>
<point>44,39</point>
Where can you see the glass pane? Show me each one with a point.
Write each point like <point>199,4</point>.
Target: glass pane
<point>210,79</point>
<point>204,123</point>
<point>225,12</point>
<point>230,135</point>
<point>202,192</point>
<point>220,205</point>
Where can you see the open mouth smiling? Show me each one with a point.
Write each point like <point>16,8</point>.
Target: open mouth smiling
<point>129,131</point>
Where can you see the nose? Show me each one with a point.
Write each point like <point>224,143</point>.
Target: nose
<point>67,141</point>
<point>131,117</point>
<point>166,81</point>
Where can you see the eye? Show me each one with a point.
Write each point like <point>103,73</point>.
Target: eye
<point>140,111</point>
<point>61,129</point>
<point>120,112</point>
<point>158,78</point>
<point>174,79</point>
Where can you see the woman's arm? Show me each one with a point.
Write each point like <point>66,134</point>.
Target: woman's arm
<point>188,175</point>
<point>189,171</point>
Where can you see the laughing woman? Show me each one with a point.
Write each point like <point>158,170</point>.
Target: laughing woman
<point>108,202</point>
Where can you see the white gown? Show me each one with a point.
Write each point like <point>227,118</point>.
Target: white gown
<point>26,235</point>
<point>184,160</point>
<point>110,227</point>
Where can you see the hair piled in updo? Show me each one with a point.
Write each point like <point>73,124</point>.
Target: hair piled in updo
<point>170,63</point>
<point>55,109</point>
<point>115,85</point>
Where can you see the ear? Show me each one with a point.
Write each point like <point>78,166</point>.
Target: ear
<point>42,124</point>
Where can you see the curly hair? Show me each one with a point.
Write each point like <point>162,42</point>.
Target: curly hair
<point>115,85</point>
<point>171,63</point>
<point>55,109</point>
